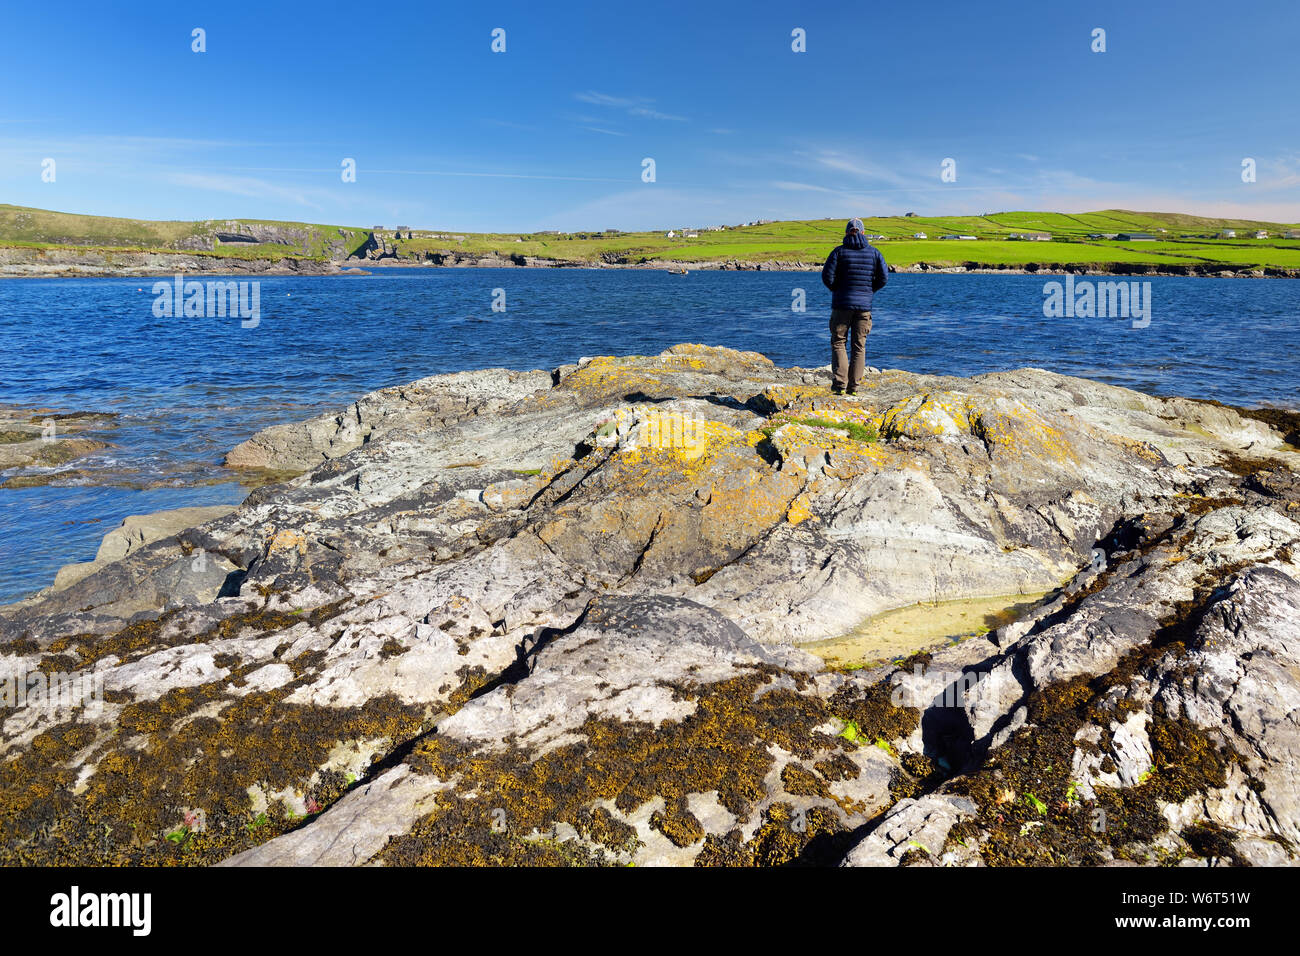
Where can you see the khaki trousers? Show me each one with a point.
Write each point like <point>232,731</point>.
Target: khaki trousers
<point>844,321</point>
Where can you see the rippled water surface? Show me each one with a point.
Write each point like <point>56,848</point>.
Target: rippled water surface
<point>186,390</point>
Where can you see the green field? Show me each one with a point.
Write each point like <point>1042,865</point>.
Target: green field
<point>1187,241</point>
<point>1182,241</point>
<point>41,228</point>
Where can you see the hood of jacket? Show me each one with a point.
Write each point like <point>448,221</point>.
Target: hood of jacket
<point>855,240</point>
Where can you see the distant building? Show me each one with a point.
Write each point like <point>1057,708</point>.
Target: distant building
<point>958,237</point>
<point>1262,234</point>
<point>1228,234</point>
<point>1135,237</point>
<point>875,236</point>
<point>919,235</point>
<point>690,234</point>
<point>672,234</point>
<point>1292,234</point>
<point>910,215</point>
<point>1036,236</point>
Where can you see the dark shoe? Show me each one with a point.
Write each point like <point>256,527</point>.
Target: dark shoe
<point>851,391</point>
<point>836,390</point>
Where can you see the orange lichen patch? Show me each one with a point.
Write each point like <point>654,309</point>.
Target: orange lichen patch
<point>706,492</point>
<point>839,455</point>
<point>783,397</point>
<point>1144,450</point>
<point>716,358</point>
<point>1001,423</point>
<point>741,511</point>
<point>1022,431</point>
<point>929,415</point>
<point>287,540</point>
<point>799,510</point>
<point>787,403</point>
<point>673,439</point>
<point>608,376</point>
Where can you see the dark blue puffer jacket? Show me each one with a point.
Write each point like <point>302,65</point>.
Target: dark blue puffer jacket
<point>854,272</point>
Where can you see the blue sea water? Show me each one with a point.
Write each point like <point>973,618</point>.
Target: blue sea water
<point>187,390</point>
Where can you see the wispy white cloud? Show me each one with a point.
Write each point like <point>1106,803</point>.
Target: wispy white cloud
<point>246,186</point>
<point>859,167</point>
<point>799,187</point>
<point>604,99</point>
<point>638,106</point>
<point>655,114</point>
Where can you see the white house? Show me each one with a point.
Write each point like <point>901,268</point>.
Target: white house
<point>919,235</point>
<point>1229,234</point>
<point>1262,234</point>
<point>671,234</point>
<point>1293,234</point>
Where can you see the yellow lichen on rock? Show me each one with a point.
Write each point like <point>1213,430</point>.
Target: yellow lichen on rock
<point>1002,424</point>
<point>610,376</point>
<point>287,540</point>
<point>928,415</point>
<point>799,510</point>
<point>828,451</point>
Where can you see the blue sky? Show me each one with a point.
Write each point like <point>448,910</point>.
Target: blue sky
<point>552,133</point>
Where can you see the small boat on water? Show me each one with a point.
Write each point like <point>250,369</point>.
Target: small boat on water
<point>683,271</point>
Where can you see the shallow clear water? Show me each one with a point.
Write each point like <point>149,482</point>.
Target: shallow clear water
<point>187,390</point>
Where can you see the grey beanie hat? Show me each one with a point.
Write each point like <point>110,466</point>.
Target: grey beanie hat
<point>854,225</point>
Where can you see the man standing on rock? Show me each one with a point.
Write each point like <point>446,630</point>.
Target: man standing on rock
<point>854,272</point>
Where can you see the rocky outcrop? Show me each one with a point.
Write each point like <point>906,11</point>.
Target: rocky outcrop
<point>34,442</point>
<point>23,261</point>
<point>563,617</point>
<point>133,533</point>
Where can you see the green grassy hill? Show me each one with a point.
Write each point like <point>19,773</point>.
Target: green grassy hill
<point>1182,241</point>
<point>1186,241</point>
<point>245,238</point>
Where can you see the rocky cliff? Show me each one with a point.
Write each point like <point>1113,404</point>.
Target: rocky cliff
<point>564,617</point>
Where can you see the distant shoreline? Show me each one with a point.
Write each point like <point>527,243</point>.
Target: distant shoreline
<point>156,265</point>
<point>1115,242</point>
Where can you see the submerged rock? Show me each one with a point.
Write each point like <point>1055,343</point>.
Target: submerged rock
<point>554,617</point>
